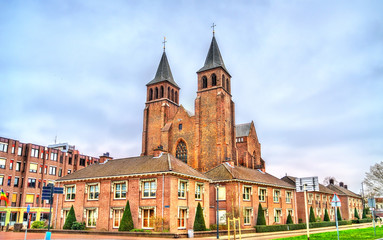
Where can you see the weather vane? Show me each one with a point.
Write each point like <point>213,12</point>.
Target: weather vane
<point>164,42</point>
<point>213,26</point>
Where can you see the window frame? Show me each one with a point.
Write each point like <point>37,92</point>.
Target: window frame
<point>246,196</point>
<point>121,213</point>
<point>288,199</point>
<point>199,193</point>
<point>114,189</point>
<point>185,216</point>
<point>249,211</point>
<point>72,194</point>
<point>276,197</point>
<point>93,195</point>
<point>262,192</point>
<point>182,191</point>
<point>276,210</point>
<point>152,192</point>
<point>94,217</point>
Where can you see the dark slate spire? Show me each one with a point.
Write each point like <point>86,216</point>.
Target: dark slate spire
<point>163,72</point>
<point>213,58</point>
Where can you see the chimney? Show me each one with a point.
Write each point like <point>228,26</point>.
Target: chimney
<point>341,184</point>
<point>158,151</point>
<point>105,157</point>
<point>331,181</point>
<point>345,186</point>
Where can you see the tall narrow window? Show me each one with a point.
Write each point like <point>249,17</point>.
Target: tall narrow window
<point>156,93</point>
<point>204,82</point>
<point>169,92</point>
<point>182,152</point>
<point>223,81</point>
<point>176,97</point>
<point>161,92</point>
<point>172,97</point>
<point>213,80</point>
<point>227,85</point>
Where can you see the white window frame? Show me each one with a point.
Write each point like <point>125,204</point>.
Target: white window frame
<point>276,197</point>
<point>310,198</point>
<point>223,195</point>
<point>288,200</point>
<point>276,215</point>
<point>151,190</point>
<point>186,216</point>
<point>114,189</point>
<point>142,216</point>
<point>247,215</point>
<point>182,188</point>
<point>246,196</point>
<point>95,216</point>
<point>114,212</point>
<point>290,210</point>
<point>198,194</point>
<point>3,160</point>
<point>262,193</point>
<point>52,170</point>
<point>72,194</point>
<point>95,192</point>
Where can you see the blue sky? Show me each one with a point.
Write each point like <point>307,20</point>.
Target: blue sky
<point>308,73</point>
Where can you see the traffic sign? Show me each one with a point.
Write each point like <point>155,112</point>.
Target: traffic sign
<point>371,202</point>
<point>311,184</point>
<point>335,202</point>
<point>58,190</point>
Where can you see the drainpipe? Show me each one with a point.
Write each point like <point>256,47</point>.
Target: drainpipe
<point>163,194</point>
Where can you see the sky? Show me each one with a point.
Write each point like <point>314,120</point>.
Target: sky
<point>308,73</point>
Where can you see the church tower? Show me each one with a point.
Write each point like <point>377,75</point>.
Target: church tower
<point>162,102</point>
<point>214,112</point>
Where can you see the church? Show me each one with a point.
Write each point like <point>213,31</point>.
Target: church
<point>186,156</point>
<point>208,136</point>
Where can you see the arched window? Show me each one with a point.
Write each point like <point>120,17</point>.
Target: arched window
<point>223,81</point>
<point>162,92</point>
<point>204,82</point>
<point>182,152</point>
<point>172,95</point>
<point>213,80</point>
<point>176,97</point>
<point>169,92</point>
<point>150,94</point>
<point>156,93</point>
<point>227,85</point>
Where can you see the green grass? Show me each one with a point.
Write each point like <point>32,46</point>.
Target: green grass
<point>363,233</point>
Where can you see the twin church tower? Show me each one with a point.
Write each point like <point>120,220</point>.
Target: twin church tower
<point>207,137</point>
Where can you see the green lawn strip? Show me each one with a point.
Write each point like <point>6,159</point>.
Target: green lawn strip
<point>363,233</point>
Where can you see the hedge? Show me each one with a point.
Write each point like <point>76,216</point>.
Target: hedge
<point>367,220</point>
<point>287,227</point>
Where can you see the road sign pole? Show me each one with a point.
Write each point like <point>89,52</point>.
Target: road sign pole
<point>373,221</point>
<point>48,233</point>
<point>307,218</point>
<point>336,221</point>
<point>26,230</point>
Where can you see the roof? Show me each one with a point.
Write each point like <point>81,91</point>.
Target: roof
<point>163,72</point>
<point>342,191</point>
<point>242,130</point>
<point>213,58</point>
<point>227,172</point>
<point>322,188</point>
<point>165,163</point>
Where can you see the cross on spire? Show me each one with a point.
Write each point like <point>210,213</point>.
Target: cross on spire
<point>164,42</point>
<point>213,26</point>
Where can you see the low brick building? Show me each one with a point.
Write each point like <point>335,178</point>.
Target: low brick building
<point>25,168</point>
<point>349,200</point>
<point>318,200</point>
<point>158,188</point>
<point>241,190</point>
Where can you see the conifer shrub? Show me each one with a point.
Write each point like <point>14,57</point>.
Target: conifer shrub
<point>289,219</point>
<point>326,217</point>
<point>199,221</point>
<point>364,215</point>
<point>126,223</point>
<point>70,219</point>
<point>312,215</point>
<point>261,216</point>
<point>356,215</point>
<point>338,213</point>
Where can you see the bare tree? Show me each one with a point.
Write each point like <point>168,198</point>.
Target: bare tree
<point>374,180</point>
<point>326,180</point>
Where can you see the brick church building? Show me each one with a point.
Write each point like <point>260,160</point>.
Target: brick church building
<point>209,136</point>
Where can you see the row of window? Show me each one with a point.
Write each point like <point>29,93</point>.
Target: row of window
<point>119,189</point>
<point>262,194</point>
<point>159,93</point>
<point>214,82</point>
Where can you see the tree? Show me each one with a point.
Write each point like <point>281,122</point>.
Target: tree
<point>289,219</point>
<point>338,213</point>
<point>364,213</point>
<point>356,215</point>
<point>374,180</point>
<point>126,223</point>
<point>312,215</point>
<point>70,219</point>
<point>261,216</point>
<point>326,218</point>
<point>199,221</point>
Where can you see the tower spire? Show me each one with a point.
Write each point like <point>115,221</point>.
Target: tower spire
<point>213,26</point>
<point>164,42</point>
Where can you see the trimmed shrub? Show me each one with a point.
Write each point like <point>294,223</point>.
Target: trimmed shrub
<point>126,223</point>
<point>326,217</point>
<point>38,225</point>
<point>199,221</point>
<point>287,227</point>
<point>367,220</point>
<point>289,219</point>
<point>364,215</point>
<point>312,215</point>
<point>356,215</point>
<point>78,226</point>
<point>261,216</point>
<point>70,219</point>
<point>338,213</point>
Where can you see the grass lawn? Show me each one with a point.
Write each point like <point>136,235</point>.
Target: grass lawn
<point>363,233</point>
